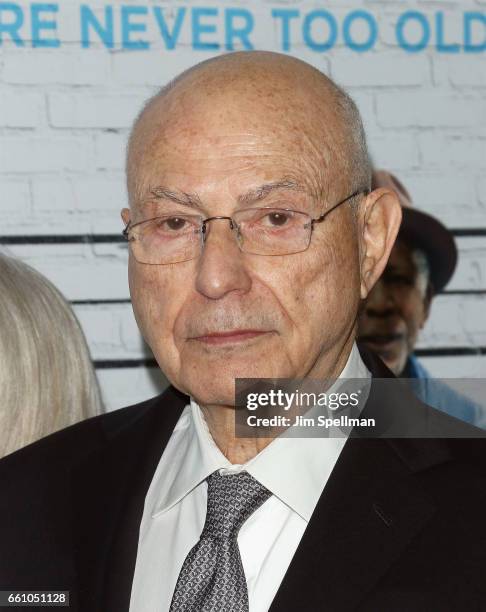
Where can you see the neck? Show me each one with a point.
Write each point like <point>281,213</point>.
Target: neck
<point>221,424</point>
<point>221,419</point>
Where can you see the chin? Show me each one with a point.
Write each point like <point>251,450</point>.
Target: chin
<point>215,384</point>
<point>392,364</point>
<point>393,367</point>
<point>231,364</point>
<point>214,396</point>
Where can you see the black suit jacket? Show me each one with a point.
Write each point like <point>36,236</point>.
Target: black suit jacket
<point>400,526</point>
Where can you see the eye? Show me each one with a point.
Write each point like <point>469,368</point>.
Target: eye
<point>274,219</point>
<point>174,223</point>
<point>278,219</point>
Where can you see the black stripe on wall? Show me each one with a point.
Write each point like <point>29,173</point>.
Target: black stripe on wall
<point>63,239</point>
<point>103,302</point>
<point>468,232</point>
<point>455,351</point>
<point>115,301</point>
<point>460,351</point>
<point>108,364</point>
<point>463,292</point>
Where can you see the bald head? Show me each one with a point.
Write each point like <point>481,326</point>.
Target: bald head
<point>263,93</point>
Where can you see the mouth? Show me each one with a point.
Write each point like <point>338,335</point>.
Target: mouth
<point>382,342</point>
<point>235,336</point>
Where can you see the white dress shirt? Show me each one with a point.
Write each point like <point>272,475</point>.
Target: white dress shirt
<point>295,470</point>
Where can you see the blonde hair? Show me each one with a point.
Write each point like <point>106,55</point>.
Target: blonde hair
<point>47,380</point>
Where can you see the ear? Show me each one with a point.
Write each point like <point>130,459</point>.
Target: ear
<point>125,215</point>
<point>379,221</point>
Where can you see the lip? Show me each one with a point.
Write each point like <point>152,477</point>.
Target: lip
<point>382,341</point>
<point>230,337</point>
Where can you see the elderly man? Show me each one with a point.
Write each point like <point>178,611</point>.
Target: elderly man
<point>253,238</point>
<point>420,265</point>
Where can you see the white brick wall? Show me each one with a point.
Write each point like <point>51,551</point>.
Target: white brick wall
<point>456,151</point>
<point>88,110</point>
<point>110,150</point>
<point>21,110</point>
<point>374,70</point>
<point>28,154</point>
<point>435,109</point>
<point>64,120</point>
<point>66,67</point>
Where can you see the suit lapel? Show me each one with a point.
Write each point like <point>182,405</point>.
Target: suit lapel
<point>108,491</point>
<point>370,509</point>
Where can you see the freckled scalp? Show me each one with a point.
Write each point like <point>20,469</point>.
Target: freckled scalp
<point>276,97</point>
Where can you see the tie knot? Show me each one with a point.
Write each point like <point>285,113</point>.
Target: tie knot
<point>232,498</point>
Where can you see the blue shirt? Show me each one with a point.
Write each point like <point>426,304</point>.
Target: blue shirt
<point>437,394</point>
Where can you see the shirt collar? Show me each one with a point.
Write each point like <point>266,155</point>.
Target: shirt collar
<point>189,458</point>
<point>294,469</point>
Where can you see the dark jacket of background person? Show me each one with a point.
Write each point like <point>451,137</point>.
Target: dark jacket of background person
<point>399,526</point>
<point>47,380</point>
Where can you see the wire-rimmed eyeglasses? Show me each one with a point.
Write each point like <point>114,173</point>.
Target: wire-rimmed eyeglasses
<point>175,238</point>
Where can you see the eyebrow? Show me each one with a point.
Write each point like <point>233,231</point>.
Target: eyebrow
<point>181,197</point>
<point>250,197</point>
<point>261,192</point>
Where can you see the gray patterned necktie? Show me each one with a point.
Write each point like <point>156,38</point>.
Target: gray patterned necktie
<point>212,577</point>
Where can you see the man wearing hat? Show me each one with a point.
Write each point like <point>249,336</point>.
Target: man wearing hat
<point>421,264</point>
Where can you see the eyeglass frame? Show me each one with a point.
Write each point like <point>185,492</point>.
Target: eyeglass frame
<point>234,225</point>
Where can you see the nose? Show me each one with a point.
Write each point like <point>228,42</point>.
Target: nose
<point>221,268</point>
<point>380,302</point>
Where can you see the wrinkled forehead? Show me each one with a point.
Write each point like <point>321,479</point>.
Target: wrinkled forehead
<point>232,164</point>
<point>228,138</point>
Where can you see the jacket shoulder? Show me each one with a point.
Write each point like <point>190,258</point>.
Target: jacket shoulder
<point>68,446</point>
<point>56,486</point>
